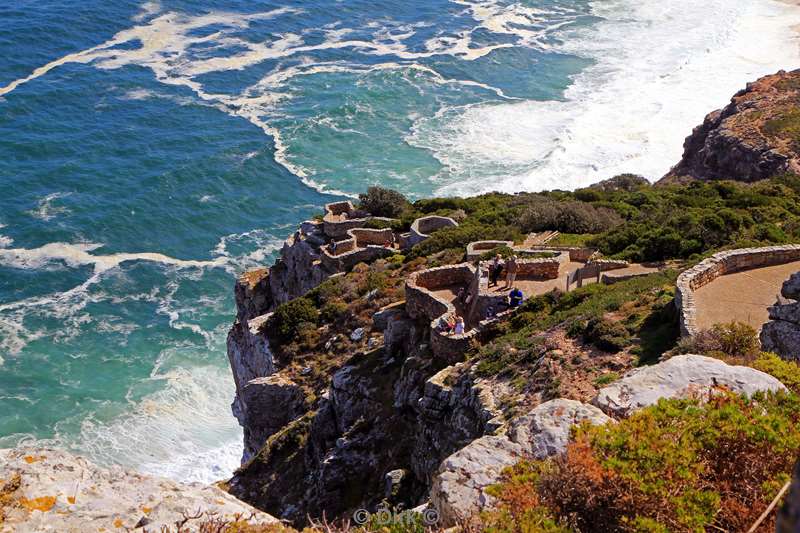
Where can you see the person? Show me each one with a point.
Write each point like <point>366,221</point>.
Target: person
<point>459,329</point>
<point>515,298</point>
<point>511,272</point>
<point>447,323</point>
<point>495,267</point>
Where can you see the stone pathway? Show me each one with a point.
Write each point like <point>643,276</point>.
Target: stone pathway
<point>742,296</point>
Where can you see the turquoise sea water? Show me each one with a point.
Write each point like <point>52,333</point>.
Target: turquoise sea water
<point>150,152</point>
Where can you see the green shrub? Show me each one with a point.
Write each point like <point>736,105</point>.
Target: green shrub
<point>787,372</point>
<point>568,217</point>
<point>605,379</point>
<point>289,316</point>
<point>607,335</point>
<point>333,311</point>
<point>382,202</point>
<point>681,465</point>
<point>734,340</point>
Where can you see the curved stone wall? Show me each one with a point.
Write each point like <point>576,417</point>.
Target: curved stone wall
<point>421,302</point>
<point>478,248</point>
<point>422,228</point>
<point>718,265</point>
<point>362,246</point>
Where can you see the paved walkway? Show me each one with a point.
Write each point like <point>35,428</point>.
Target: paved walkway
<point>531,287</point>
<point>742,296</point>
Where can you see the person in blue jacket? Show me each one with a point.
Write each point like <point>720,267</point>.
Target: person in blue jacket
<point>515,298</point>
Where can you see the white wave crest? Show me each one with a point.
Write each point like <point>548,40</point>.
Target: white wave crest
<point>45,208</point>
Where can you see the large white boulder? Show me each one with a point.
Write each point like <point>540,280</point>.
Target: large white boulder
<point>56,491</point>
<point>545,430</point>
<point>681,376</point>
<point>459,488</point>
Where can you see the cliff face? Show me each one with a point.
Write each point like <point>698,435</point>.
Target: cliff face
<point>380,430</point>
<point>257,293</point>
<point>755,137</point>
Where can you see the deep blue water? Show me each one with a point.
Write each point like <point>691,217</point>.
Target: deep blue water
<point>151,152</point>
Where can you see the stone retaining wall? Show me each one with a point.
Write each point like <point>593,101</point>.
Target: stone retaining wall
<point>720,264</point>
<point>538,268</point>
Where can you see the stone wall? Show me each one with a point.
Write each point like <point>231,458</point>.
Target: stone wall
<point>340,217</point>
<point>577,254</point>
<point>420,302</point>
<point>365,236</point>
<point>721,264</point>
<point>345,262</point>
<point>423,227</point>
<point>478,248</point>
<point>538,268</point>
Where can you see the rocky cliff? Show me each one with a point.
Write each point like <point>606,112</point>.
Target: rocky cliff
<point>52,490</point>
<point>755,137</point>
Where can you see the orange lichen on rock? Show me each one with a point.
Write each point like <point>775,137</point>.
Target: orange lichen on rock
<point>42,503</point>
<point>118,523</point>
<point>71,500</point>
<point>30,459</point>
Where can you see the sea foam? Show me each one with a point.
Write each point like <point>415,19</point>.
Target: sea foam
<point>659,68</point>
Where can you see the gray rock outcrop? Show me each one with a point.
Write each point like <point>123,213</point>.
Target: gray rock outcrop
<point>52,490</point>
<point>265,405</point>
<point>459,488</point>
<point>545,430</point>
<point>782,333</point>
<point>680,377</point>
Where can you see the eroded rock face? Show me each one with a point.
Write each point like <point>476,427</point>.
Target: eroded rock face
<point>295,272</point>
<point>62,492</point>
<point>266,405</point>
<point>545,430</point>
<point>741,141</point>
<point>680,377</point>
<point>459,488</point>
<point>782,333</point>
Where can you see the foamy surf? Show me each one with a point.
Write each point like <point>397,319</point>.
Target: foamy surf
<point>660,68</point>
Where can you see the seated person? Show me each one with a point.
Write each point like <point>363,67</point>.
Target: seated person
<point>515,298</point>
<point>459,329</point>
<point>447,323</point>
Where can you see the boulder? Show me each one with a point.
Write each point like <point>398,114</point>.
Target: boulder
<point>459,488</point>
<point>782,338</point>
<point>791,287</point>
<point>680,377</point>
<point>782,333</point>
<point>52,490</point>
<point>545,430</point>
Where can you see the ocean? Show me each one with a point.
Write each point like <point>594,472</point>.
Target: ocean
<point>150,152</point>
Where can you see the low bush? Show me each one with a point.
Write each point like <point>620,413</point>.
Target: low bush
<point>333,311</point>
<point>568,217</point>
<point>607,335</point>
<point>289,316</point>
<point>382,202</point>
<point>681,465</point>
<point>734,340</point>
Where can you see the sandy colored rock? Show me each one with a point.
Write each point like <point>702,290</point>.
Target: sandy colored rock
<point>680,377</point>
<point>64,493</point>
